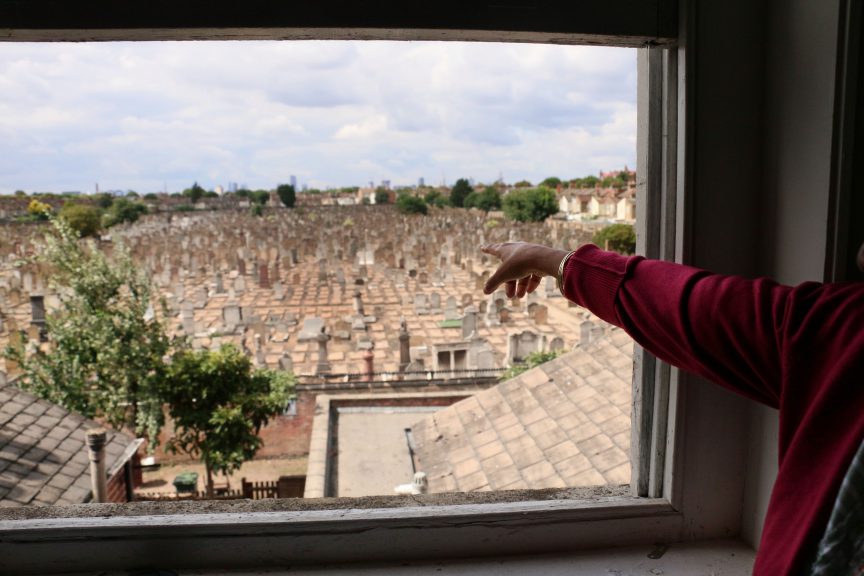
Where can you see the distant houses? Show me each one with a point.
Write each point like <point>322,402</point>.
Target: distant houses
<point>598,204</point>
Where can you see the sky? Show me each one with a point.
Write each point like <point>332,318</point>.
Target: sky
<point>159,116</point>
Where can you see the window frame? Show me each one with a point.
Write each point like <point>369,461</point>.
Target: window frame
<point>661,509</point>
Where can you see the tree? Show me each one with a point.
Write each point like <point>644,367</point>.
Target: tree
<point>488,199</point>
<point>618,237</point>
<point>104,200</point>
<point>459,192</point>
<point>219,403</point>
<point>435,198</point>
<point>260,197</point>
<point>151,196</point>
<point>104,356</point>
<point>382,196</point>
<point>408,204</point>
<point>195,193</point>
<point>287,194</point>
<point>551,182</point>
<point>123,210</point>
<point>84,219</point>
<point>530,204</point>
<point>523,184</point>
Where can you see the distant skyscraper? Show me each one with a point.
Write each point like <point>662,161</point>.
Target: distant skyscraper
<point>421,182</point>
<point>294,181</point>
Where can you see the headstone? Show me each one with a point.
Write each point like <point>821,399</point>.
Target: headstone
<point>231,316</point>
<point>435,303</point>
<point>450,311</point>
<point>420,306</point>
<point>313,326</point>
<point>469,322</point>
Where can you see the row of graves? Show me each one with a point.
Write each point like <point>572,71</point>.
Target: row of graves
<point>336,295</point>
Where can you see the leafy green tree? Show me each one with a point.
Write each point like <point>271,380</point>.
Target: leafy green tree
<point>435,198</point>
<point>104,200</point>
<point>84,219</point>
<point>382,196</point>
<point>287,194</point>
<point>151,196</point>
<point>218,404</point>
<point>20,193</point>
<point>523,184</point>
<point>488,199</point>
<point>123,210</point>
<point>551,182</point>
<point>530,204</point>
<point>260,197</point>
<point>461,189</point>
<point>132,194</point>
<point>243,193</point>
<point>256,210</point>
<point>211,194</point>
<point>618,237</point>
<point>104,356</point>
<point>408,204</point>
<point>195,193</point>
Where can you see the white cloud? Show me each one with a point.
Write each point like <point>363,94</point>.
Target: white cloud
<point>149,115</point>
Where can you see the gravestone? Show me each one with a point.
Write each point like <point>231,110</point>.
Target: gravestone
<point>312,328</point>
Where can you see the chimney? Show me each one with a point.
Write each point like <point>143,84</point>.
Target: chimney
<point>96,439</point>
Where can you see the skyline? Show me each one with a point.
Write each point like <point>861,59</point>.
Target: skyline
<point>157,116</point>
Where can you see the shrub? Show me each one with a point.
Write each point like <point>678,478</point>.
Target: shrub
<point>38,210</point>
<point>408,204</point>
<point>122,210</point>
<point>84,219</point>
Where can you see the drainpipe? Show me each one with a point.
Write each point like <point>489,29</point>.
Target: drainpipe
<point>96,440</point>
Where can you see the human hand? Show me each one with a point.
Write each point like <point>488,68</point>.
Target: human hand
<point>522,266</point>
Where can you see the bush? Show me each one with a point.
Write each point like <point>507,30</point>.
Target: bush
<point>620,238</point>
<point>532,360</point>
<point>84,219</point>
<point>38,210</point>
<point>408,204</point>
<point>530,204</point>
<point>122,210</point>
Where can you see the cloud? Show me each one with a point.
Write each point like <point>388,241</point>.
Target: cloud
<point>146,115</point>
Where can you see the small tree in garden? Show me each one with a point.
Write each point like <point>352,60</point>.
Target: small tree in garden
<point>218,403</point>
<point>105,349</point>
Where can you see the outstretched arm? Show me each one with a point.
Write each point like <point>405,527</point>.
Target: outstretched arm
<point>722,327</point>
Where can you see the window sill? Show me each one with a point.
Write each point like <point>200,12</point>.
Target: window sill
<point>202,535</point>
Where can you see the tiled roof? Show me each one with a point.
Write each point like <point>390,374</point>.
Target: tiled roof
<point>563,423</point>
<point>43,455</point>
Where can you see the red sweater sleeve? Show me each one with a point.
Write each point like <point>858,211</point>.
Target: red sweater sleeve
<point>799,349</point>
<point>722,327</point>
